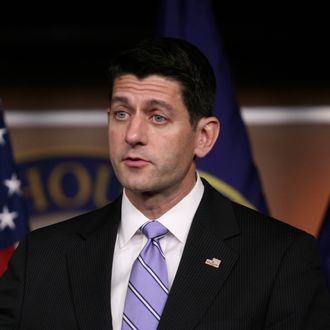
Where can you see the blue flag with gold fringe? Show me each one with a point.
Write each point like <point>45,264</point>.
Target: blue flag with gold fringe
<point>324,242</point>
<point>229,167</point>
<point>13,216</point>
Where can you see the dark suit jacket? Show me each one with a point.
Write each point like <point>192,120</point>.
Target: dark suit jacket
<point>269,276</point>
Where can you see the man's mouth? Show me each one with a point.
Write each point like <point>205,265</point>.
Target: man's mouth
<point>135,162</point>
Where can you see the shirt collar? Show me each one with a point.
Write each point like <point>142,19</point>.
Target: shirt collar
<point>177,220</point>
<point>131,220</point>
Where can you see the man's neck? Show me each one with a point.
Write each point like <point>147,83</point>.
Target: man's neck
<point>154,205</point>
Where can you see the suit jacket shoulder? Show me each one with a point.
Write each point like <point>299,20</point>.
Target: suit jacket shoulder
<point>266,274</point>
<point>84,224</point>
<point>59,276</point>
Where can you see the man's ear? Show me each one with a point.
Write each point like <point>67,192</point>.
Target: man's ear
<point>208,129</point>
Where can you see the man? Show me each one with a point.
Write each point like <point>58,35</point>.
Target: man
<point>225,266</point>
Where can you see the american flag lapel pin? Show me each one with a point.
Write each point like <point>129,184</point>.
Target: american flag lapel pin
<point>213,262</point>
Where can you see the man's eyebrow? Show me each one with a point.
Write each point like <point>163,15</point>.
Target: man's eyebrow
<point>119,99</point>
<point>149,104</point>
<point>160,103</point>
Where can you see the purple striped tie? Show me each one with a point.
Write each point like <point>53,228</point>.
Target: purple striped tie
<point>148,284</point>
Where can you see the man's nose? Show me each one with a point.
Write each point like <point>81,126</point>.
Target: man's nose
<point>136,131</point>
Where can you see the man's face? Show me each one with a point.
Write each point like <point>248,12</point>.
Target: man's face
<point>151,140</point>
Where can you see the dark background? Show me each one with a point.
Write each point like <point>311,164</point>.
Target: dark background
<point>269,48</point>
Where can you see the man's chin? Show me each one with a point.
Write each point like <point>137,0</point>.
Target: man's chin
<point>136,187</point>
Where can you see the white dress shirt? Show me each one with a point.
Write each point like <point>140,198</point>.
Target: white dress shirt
<point>130,241</point>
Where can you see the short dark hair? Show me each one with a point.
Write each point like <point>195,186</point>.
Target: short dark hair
<point>176,59</point>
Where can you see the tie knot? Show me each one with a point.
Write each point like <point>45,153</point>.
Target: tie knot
<point>153,229</point>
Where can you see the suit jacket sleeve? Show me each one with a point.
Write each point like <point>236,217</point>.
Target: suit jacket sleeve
<point>299,299</point>
<point>12,288</point>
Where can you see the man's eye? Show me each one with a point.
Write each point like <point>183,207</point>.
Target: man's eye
<point>159,119</point>
<point>120,115</point>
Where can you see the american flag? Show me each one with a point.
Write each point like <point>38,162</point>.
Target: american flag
<point>13,217</point>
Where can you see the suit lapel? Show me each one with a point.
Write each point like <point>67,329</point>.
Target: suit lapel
<point>196,283</point>
<point>89,265</point>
